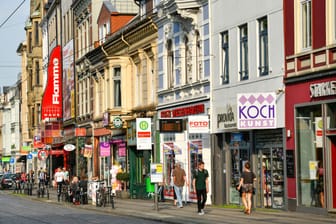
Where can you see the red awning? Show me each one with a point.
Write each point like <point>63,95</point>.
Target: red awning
<point>102,131</point>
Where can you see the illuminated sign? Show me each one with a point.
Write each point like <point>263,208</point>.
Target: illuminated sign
<point>171,125</point>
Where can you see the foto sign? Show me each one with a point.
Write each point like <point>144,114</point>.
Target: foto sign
<point>144,133</point>
<point>256,110</point>
<point>198,124</point>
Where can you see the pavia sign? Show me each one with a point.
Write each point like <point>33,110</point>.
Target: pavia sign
<point>256,110</point>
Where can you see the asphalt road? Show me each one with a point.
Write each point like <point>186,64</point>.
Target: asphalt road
<point>18,210</point>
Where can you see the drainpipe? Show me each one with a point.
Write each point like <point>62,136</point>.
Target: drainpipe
<point>102,48</point>
<point>122,38</point>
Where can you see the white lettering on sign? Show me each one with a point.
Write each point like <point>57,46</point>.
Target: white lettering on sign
<point>256,110</point>
<point>56,82</point>
<point>323,89</point>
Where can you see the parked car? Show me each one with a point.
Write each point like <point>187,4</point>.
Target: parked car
<point>8,180</point>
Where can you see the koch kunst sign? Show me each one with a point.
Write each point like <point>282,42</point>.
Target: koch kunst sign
<point>256,110</point>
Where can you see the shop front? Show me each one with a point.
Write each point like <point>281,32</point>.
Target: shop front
<point>245,132</point>
<point>185,139</point>
<point>312,136</point>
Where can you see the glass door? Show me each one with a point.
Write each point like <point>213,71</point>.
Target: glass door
<point>270,192</point>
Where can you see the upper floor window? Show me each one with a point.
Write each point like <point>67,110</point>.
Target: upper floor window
<point>170,64</point>
<point>225,58</point>
<point>117,86</point>
<point>37,73</point>
<point>306,23</point>
<point>36,30</point>
<point>243,37</point>
<point>263,47</point>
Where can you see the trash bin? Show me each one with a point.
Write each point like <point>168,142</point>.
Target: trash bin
<point>150,188</point>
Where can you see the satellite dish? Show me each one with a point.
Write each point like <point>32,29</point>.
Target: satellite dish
<point>69,147</point>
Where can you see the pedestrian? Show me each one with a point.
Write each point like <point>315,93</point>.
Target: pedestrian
<point>59,178</point>
<point>246,183</point>
<point>41,177</point>
<point>179,179</point>
<point>66,176</point>
<point>201,186</point>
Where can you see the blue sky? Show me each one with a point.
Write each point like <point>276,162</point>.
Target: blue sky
<point>12,33</point>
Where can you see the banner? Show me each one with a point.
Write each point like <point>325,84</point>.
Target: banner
<point>52,97</point>
<point>105,149</point>
<point>87,151</point>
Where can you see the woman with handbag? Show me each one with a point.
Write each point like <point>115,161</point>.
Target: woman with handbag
<point>246,183</point>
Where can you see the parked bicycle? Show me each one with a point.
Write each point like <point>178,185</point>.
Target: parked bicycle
<point>101,195</point>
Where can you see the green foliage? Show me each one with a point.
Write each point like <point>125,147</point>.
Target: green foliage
<point>123,176</point>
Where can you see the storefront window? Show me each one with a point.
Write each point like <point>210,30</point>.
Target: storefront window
<point>309,129</point>
<point>331,116</point>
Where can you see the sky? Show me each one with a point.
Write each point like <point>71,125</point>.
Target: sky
<point>12,33</point>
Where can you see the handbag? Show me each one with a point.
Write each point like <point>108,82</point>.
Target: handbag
<point>254,191</point>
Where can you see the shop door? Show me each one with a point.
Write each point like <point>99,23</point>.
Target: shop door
<point>239,155</point>
<point>270,189</point>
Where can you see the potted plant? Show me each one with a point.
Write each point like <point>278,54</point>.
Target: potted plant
<point>124,177</point>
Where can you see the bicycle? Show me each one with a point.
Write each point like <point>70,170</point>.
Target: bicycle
<point>101,195</point>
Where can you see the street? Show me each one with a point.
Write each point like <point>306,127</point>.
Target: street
<point>16,209</point>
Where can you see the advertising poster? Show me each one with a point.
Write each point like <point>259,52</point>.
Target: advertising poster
<point>156,172</point>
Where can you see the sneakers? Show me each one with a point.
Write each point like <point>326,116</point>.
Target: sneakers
<point>201,213</point>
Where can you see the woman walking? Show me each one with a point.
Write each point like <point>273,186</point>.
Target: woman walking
<point>246,183</point>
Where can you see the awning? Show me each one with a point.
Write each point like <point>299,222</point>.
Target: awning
<point>102,132</point>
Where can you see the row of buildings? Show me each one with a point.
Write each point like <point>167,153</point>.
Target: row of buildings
<point>220,81</point>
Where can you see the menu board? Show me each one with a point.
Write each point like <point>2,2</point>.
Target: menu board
<point>290,163</point>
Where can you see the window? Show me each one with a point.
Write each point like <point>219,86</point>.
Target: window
<point>225,58</point>
<point>30,42</point>
<point>37,73</point>
<point>310,152</point>
<point>117,86</point>
<point>263,47</point>
<point>243,52</point>
<point>170,64</point>
<point>36,27</point>
<point>306,23</point>
<point>187,64</point>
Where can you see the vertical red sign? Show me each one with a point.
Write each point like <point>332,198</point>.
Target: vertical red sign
<point>52,97</point>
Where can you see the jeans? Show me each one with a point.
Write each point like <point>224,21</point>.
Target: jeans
<point>178,192</point>
<point>201,199</point>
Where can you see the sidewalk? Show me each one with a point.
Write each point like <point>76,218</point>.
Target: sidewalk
<point>167,213</point>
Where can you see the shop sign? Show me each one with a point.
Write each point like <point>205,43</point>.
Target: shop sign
<point>52,97</point>
<point>80,132</point>
<point>226,117</point>
<point>144,133</point>
<point>106,119</point>
<point>87,151</point>
<point>69,147</point>
<point>198,124</point>
<point>117,122</point>
<point>183,111</point>
<point>256,110</point>
<point>105,149</point>
<point>323,89</point>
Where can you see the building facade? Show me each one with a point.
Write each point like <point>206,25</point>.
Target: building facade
<point>310,38</point>
<point>183,87</point>
<point>246,81</point>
